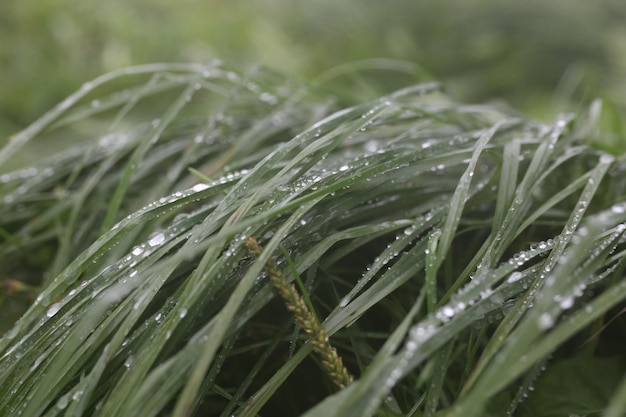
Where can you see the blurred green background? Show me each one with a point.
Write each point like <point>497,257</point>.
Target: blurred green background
<point>540,57</point>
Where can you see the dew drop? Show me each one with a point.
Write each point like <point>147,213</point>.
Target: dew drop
<point>606,159</point>
<point>566,303</point>
<point>63,401</point>
<point>11,333</point>
<point>448,311</point>
<point>372,145</point>
<point>156,239</point>
<point>515,276</point>
<point>546,321</point>
<point>53,309</point>
<point>129,361</point>
<point>199,187</point>
<point>37,362</point>
<point>268,98</point>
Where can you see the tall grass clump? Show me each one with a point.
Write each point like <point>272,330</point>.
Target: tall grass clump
<point>456,258</point>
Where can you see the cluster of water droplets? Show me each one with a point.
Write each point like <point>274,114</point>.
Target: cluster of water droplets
<point>66,399</point>
<point>20,175</point>
<point>520,258</point>
<point>480,287</point>
<point>113,142</point>
<point>312,182</point>
<point>392,250</point>
<point>425,330</point>
<point>212,71</point>
<point>418,335</point>
<point>139,252</point>
<point>32,173</point>
<point>563,300</point>
<point>527,386</point>
<point>236,244</point>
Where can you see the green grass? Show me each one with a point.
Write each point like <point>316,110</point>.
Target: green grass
<point>460,257</point>
<point>540,57</point>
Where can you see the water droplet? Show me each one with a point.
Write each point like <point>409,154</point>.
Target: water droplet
<point>618,209</point>
<point>53,309</point>
<point>156,239</point>
<point>199,187</point>
<point>546,321</point>
<point>182,313</point>
<point>95,104</point>
<point>63,401</point>
<point>343,168</point>
<point>138,250</point>
<point>129,361</point>
<point>606,159</point>
<point>486,294</point>
<point>371,145</point>
<point>37,362</point>
<point>515,276</point>
<point>566,303</point>
<point>268,98</point>
<point>447,311</point>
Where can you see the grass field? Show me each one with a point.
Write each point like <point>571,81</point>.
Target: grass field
<point>226,239</point>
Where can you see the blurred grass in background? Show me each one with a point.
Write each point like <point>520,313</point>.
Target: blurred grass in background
<point>539,57</point>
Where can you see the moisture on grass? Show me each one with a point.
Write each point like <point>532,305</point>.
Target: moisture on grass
<point>458,257</point>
